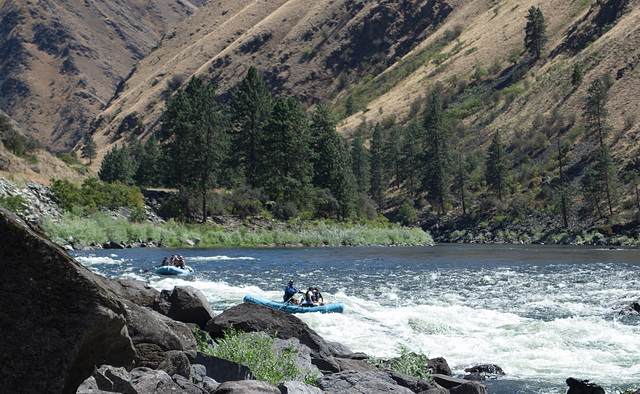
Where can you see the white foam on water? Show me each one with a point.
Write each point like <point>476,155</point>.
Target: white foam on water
<point>92,260</point>
<point>219,258</point>
<point>604,351</point>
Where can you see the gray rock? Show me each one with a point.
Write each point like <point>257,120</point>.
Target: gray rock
<point>439,365</point>
<point>150,381</point>
<point>360,382</point>
<point>414,384</point>
<point>189,305</point>
<point>469,388</point>
<point>56,320</point>
<point>222,370</point>
<point>446,381</point>
<point>247,387</point>
<point>295,387</point>
<point>631,309</point>
<point>200,378</point>
<point>187,386</point>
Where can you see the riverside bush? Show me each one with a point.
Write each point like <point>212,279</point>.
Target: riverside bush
<point>257,351</point>
<point>408,363</point>
<point>94,193</point>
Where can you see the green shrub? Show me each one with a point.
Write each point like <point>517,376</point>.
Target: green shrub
<point>406,214</point>
<point>258,352</point>
<point>94,193</point>
<point>408,363</point>
<point>15,204</point>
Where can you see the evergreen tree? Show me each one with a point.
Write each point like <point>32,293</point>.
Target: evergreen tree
<point>393,153</point>
<point>118,165</point>
<point>411,154</point>
<point>150,169</point>
<point>288,167</point>
<point>535,31</point>
<point>197,132</point>
<point>576,75</point>
<point>595,111</point>
<point>497,165</point>
<point>376,167</point>
<point>360,161</point>
<point>437,176</point>
<point>330,170</point>
<point>351,107</point>
<point>89,148</point>
<point>600,180</point>
<point>250,108</point>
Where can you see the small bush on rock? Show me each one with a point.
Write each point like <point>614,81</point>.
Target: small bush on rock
<point>257,351</point>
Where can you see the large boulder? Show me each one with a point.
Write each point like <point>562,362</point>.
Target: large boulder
<point>160,342</point>
<point>57,319</point>
<point>249,317</point>
<point>186,304</point>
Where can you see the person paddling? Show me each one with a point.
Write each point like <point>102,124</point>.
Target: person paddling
<point>289,293</point>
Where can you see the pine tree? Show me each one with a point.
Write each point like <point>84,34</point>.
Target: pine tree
<point>600,179</point>
<point>360,161</point>
<point>89,148</point>
<point>497,163</point>
<point>376,167</point>
<point>118,165</point>
<point>595,111</point>
<point>330,170</point>
<point>411,155</point>
<point>198,134</point>
<point>535,31</point>
<point>250,108</point>
<point>437,173</point>
<point>393,153</point>
<point>288,170</point>
<point>150,170</point>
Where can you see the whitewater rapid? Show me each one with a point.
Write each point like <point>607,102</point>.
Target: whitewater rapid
<point>540,321</point>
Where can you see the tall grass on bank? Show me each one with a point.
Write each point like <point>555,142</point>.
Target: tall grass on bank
<point>101,227</point>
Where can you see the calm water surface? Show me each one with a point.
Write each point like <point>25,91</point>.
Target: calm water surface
<point>542,313</point>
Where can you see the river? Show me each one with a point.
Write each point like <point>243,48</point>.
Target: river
<point>542,313</point>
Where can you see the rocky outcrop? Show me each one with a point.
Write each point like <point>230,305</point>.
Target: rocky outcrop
<point>57,321</point>
<point>251,317</point>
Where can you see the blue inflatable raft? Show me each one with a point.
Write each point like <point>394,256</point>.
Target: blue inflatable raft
<point>173,270</point>
<point>292,308</point>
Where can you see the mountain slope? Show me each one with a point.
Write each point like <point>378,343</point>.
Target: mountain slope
<point>311,50</point>
<point>61,61</point>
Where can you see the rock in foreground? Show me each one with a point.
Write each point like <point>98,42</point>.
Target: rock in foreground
<point>56,322</point>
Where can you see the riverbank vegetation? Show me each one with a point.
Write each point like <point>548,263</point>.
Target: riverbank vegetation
<point>101,227</point>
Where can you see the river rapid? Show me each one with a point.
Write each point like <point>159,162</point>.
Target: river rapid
<point>542,313</point>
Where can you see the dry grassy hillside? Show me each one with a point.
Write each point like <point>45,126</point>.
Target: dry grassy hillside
<point>328,49</point>
<point>61,61</point>
<point>312,50</point>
